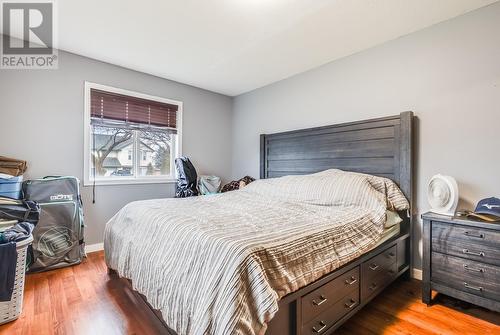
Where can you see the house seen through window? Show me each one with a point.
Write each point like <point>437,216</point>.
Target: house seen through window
<point>132,137</point>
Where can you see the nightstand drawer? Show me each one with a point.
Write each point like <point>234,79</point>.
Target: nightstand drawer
<point>327,295</point>
<point>468,242</point>
<point>465,275</point>
<point>468,234</point>
<point>379,264</point>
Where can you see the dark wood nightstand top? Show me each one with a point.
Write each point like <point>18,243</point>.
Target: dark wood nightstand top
<point>461,220</point>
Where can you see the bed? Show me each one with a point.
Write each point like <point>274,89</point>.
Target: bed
<point>243,269</point>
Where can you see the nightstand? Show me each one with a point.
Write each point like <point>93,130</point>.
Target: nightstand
<point>461,258</point>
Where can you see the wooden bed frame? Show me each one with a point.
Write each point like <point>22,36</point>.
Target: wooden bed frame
<point>381,147</point>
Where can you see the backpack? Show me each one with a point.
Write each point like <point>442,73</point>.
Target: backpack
<point>186,182</point>
<point>209,185</point>
<point>58,235</point>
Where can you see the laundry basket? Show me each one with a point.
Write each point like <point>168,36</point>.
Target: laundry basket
<point>10,310</point>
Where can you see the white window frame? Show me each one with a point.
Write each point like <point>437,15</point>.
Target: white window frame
<point>88,179</point>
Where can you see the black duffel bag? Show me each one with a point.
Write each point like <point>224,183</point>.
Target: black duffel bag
<point>19,210</point>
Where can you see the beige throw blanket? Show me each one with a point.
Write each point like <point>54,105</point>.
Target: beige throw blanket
<point>219,264</point>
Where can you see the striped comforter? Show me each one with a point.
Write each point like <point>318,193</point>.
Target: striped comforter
<point>219,264</point>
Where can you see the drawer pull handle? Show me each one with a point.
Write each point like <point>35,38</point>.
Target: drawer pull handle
<point>374,266</point>
<point>475,288</point>
<point>352,281</point>
<point>372,287</point>
<point>391,272</point>
<point>466,267</point>
<point>473,253</point>
<point>392,254</point>
<point>321,302</point>
<point>469,234</point>
<point>350,304</point>
<point>323,326</point>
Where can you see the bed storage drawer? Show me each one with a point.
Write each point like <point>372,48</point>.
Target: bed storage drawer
<point>322,322</point>
<point>376,284</point>
<point>378,272</point>
<point>379,264</point>
<point>467,242</point>
<point>321,299</point>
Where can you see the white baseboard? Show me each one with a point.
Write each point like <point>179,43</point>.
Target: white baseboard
<point>417,274</point>
<point>94,247</point>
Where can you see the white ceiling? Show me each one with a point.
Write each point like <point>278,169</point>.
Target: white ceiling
<point>234,46</point>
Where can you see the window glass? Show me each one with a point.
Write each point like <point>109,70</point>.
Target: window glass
<point>155,147</point>
<point>112,152</point>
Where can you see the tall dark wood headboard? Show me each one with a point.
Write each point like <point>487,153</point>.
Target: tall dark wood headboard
<point>380,147</point>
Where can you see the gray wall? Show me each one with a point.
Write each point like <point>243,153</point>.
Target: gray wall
<point>448,74</point>
<point>41,120</point>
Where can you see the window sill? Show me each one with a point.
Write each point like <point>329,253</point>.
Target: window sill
<point>130,181</point>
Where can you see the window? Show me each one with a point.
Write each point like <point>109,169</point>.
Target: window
<point>130,137</point>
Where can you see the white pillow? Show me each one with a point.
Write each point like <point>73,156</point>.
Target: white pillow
<point>393,219</point>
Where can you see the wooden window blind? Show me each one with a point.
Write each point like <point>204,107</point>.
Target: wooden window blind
<point>107,106</point>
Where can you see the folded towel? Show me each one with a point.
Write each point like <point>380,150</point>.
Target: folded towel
<point>8,261</point>
<point>11,166</point>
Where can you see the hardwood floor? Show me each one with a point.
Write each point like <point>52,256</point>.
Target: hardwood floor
<point>84,299</point>
<point>81,300</point>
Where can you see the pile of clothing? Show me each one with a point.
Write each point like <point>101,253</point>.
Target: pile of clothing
<point>237,184</point>
<point>8,256</point>
<point>17,221</point>
<point>188,183</point>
